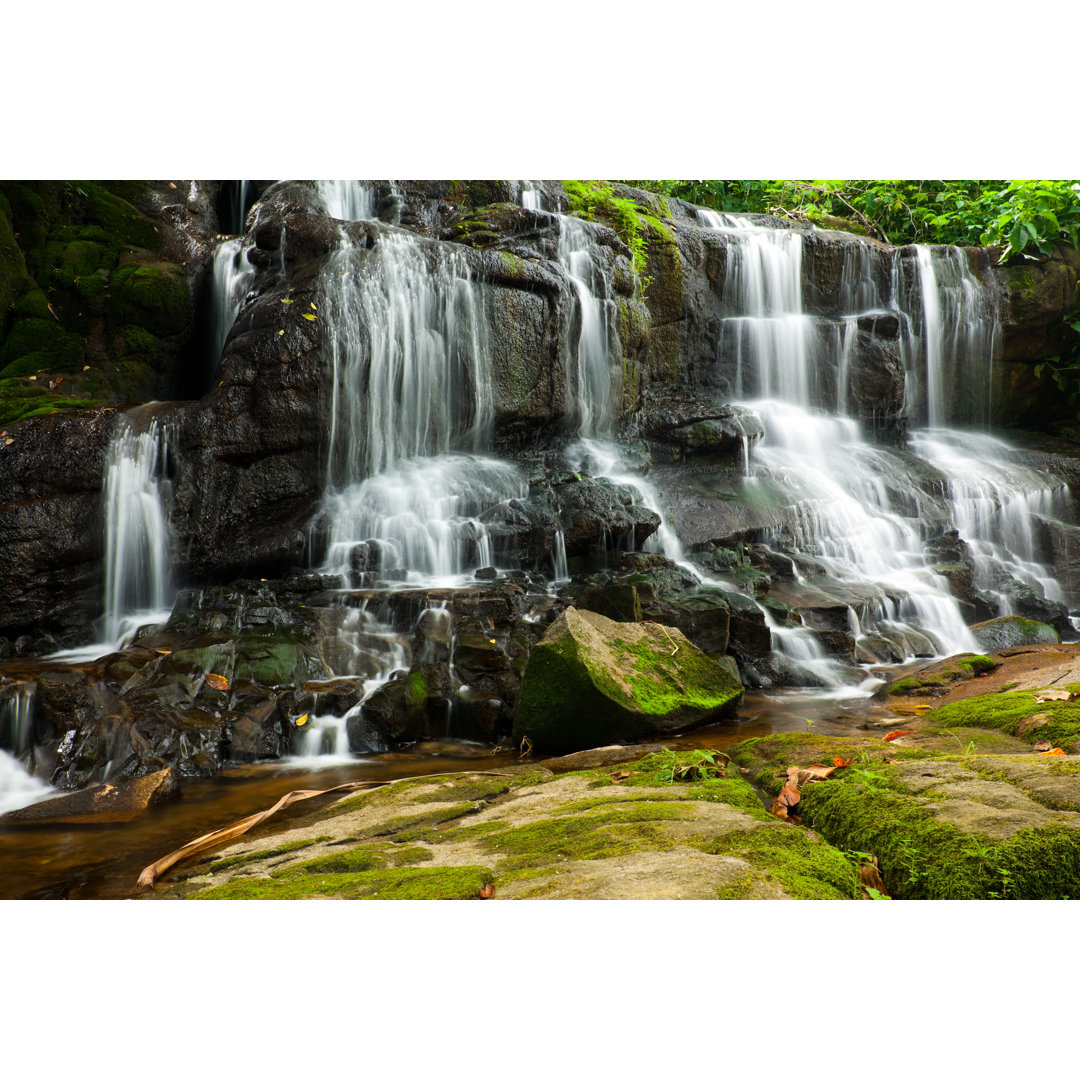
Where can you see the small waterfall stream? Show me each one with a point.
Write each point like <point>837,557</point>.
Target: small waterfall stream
<point>18,788</point>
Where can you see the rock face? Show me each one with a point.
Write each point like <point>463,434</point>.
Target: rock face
<point>592,681</point>
<point>1008,631</point>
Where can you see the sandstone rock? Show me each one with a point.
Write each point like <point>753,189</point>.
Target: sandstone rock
<point>111,802</point>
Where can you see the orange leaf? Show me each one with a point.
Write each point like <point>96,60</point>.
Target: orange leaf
<point>486,892</point>
<point>218,682</point>
<point>896,735</point>
<point>619,777</point>
<point>789,795</point>
<point>1050,753</point>
<point>841,763</point>
<point>779,809</point>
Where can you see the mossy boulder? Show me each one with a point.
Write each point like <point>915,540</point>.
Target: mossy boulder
<point>1009,631</point>
<point>591,681</point>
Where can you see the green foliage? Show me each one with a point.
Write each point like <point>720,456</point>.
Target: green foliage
<point>1017,215</point>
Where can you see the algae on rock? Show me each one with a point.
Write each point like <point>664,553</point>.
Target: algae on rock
<point>591,681</point>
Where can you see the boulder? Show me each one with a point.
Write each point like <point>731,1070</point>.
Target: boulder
<point>1008,631</point>
<point>591,681</point>
<point>121,801</point>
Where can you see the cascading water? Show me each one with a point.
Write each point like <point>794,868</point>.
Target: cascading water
<point>138,579</point>
<point>591,376</point>
<point>231,278</point>
<point>411,396</point>
<point>347,200</point>
<point>18,788</point>
<point>859,510</point>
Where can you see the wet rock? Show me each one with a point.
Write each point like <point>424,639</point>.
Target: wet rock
<point>112,802</point>
<point>598,758</point>
<point>1009,631</point>
<point>590,679</point>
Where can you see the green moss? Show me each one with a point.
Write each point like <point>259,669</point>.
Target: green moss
<point>916,682</point>
<point>805,867</point>
<point>585,836</point>
<point>464,833</point>
<point>232,861</point>
<point>978,664</point>
<point>409,855</point>
<point>354,861</point>
<point>458,788</point>
<point>1004,712</point>
<point>922,858</point>
<point>420,883</point>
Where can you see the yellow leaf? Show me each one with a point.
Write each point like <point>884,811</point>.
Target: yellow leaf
<point>218,682</point>
<point>281,333</point>
<point>313,305</point>
<point>302,720</point>
<point>308,315</point>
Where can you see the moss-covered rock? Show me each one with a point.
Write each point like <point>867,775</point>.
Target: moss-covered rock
<point>943,826</point>
<point>526,834</point>
<point>1009,631</point>
<point>592,681</point>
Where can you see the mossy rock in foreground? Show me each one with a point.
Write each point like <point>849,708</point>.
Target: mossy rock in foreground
<point>530,834</point>
<point>964,826</point>
<point>592,682</point>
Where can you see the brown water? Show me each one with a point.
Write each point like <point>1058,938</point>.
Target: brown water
<point>104,861</point>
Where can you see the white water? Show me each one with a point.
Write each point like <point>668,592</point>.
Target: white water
<point>856,507</point>
<point>593,370</point>
<point>231,279</point>
<point>138,540</point>
<point>347,200</point>
<point>17,787</point>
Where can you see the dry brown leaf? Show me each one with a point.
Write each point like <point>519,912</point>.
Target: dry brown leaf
<point>1052,695</point>
<point>218,682</point>
<point>238,828</point>
<point>800,776</point>
<point>779,809</point>
<point>789,795</point>
<point>619,777</point>
<point>870,878</point>
<point>486,892</point>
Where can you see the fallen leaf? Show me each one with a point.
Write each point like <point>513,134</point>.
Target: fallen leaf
<point>1051,753</point>
<point>164,652</point>
<point>219,836</point>
<point>841,763</point>
<point>1044,745</point>
<point>172,185</point>
<point>313,305</point>
<point>59,379</point>
<point>218,682</point>
<point>789,795</point>
<point>870,878</point>
<point>619,777</point>
<point>923,708</point>
<point>309,316</point>
<point>779,809</point>
<point>86,368</point>
<point>52,385</point>
<point>1052,695</point>
<point>8,442</point>
<point>486,892</point>
<point>799,776</point>
<point>31,378</point>
<point>302,720</point>
<point>896,735</point>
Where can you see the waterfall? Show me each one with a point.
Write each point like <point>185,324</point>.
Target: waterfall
<point>231,279</point>
<point>954,332</point>
<point>859,510</point>
<point>412,405</point>
<point>18,788</point>
<point>532,196</point>
<point>591,375</point>
<point>138,580</point>
<point>347,200</point>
